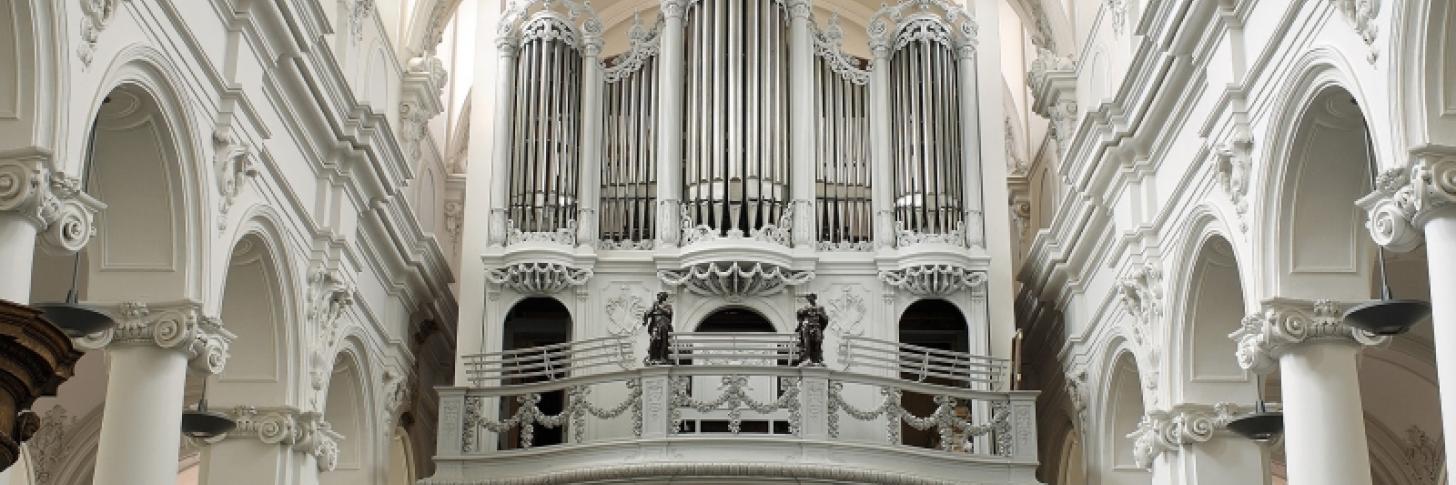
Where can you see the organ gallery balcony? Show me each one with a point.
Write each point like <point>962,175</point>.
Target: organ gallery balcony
<point>732,406</point>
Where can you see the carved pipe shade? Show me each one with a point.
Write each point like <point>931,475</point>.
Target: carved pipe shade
<point>35,358</point>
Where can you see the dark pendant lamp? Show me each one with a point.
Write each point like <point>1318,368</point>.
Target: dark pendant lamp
<point>71,317</point>
<point>1262,425</point>
<point>1388,315</point>
<point>203,424</point>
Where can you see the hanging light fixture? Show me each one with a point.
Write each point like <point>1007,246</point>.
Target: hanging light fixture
<point>203,424</point>
<point>70,316</point>
<point>1388,315</point>
<point>1261,426</point>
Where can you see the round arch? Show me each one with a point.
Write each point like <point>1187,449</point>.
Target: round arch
<point>734,318</point>
<point>348,411</point>
<point>935,323</point>
<point>1212,305</point>
<point>1124,410</point>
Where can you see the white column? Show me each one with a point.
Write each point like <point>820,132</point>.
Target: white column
<point>500,160</point>
<point>801,123</point>
<point>34,201</point>
<point>1324,424</point>
<point>150,350</point>
<point>970,125</point>
<point>669,122</point>
<point>1407,202</point>
<point>881,154</point>
<point>591,145</point>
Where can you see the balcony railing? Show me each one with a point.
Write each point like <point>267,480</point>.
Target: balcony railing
<point>734,389</point>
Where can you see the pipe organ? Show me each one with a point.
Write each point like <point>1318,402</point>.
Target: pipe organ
<point>741,137</point>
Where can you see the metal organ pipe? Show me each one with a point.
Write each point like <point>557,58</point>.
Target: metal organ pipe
<point>546,117</point>
<point>736,170</point>
<point>842,182</point>
<point>924,80</point>
<point>629,168</point>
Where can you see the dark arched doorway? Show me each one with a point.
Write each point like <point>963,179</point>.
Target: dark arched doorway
<point>535,322</point>
<point>736,320</point>
<point>930,324</point>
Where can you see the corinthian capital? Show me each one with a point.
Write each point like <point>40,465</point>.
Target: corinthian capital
<point>53,202</point>
<point>1162,431</point>
<point>304,432</point>
<point>177,326</point>
<point>1404,198</point>
<point>1283,324</point>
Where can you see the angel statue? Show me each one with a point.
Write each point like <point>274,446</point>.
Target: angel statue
<point>658,321</point>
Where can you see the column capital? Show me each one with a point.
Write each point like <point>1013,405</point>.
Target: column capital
<point>303,432</point>
<point>1285,323</point>
<point>1166,431</point>
<point>672,9</point>
<point>799,9</point>
<point>1406,197</point>
<point>52,201</point>
<point>178,326</point>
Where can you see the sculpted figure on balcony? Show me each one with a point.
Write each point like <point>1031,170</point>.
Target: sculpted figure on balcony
<point>658,321</point>
<point>813,319</point>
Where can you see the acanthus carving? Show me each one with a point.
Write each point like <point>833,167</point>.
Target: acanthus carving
<point>174,326</point>
<point>934,279</point>
<point>397,392</point>
<point>301,431</point>
<point>735,281</point>
<point>1424,457</point>
<point>1233,164</point>
<point>1077,396</point>
<point>905,238</point>
<point>48,446</point>
<point>1117,14</point>
<point>908,20</point>
<point>52,201</point>
<point>1168,431</point>
<point>1141,293</point>
<point>779,232</point>
<point>538,278</point>
<point>827,44</point>
<point>643,44</point>
<point>1404,198</point>
<point>360,12</point>
<point>329,296</point>
<point>565,236</point>
<point>233,162</point>
<point>95,15</point>
<point>455,221</point>
<point>1362,13</point>
<point>1282,324</point>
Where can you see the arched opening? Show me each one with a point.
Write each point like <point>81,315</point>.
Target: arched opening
<point>1073,469</point>
<point>401,462</point>
<point>1215,306</point>
<point>1126,406</point>
<point>734,320</point>
<point>930,324</point>
<point>253,309</point>
<point>535,322</point>
<point>346,412</point>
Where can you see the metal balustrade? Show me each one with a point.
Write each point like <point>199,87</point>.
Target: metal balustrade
<point>923,364</point>
<point>548,362</point>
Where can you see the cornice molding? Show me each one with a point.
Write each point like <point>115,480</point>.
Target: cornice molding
<point>178,326</point>
<point>1285,323</point>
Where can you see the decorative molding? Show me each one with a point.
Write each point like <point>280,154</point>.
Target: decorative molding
<point>643,46</point>
<point>1233,162</point>
<point>847,310</point>
<point>178,326</point>
<point>933,279</point>
<point>304,432</point>
<point>906,20</point>
<point>565,236</point>
<point>1117,14</point>
<point>1077,396</point>
<point>48,446</point>
<point>905,238</point>
<point>52,201</point>
<point>398,390</point>
<point>779,232</point>
<point>232,161</point>
<point>1404,198</point>
<point>1424,457</point>
<point>95,15</point>
<point>1141,293</point>
<point>538,278</point>
<point>1362,14</point>
<point>455,221</point>
<point>735,281</point>
<point>1282,324</point>
<point>1168,431</point>
<point>827,45</point>
<point>733,396</point>
<point>624,309</point>
<point>954,431</point>
<point>423,84</point>
<point>359,13</point>
<point>329,296</point>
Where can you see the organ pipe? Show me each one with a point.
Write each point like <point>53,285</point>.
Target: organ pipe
<point>629,159</point>
<point>736,164</point>
<point>545,127</point>
<point>842,146</point>
<point>926,139</point>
